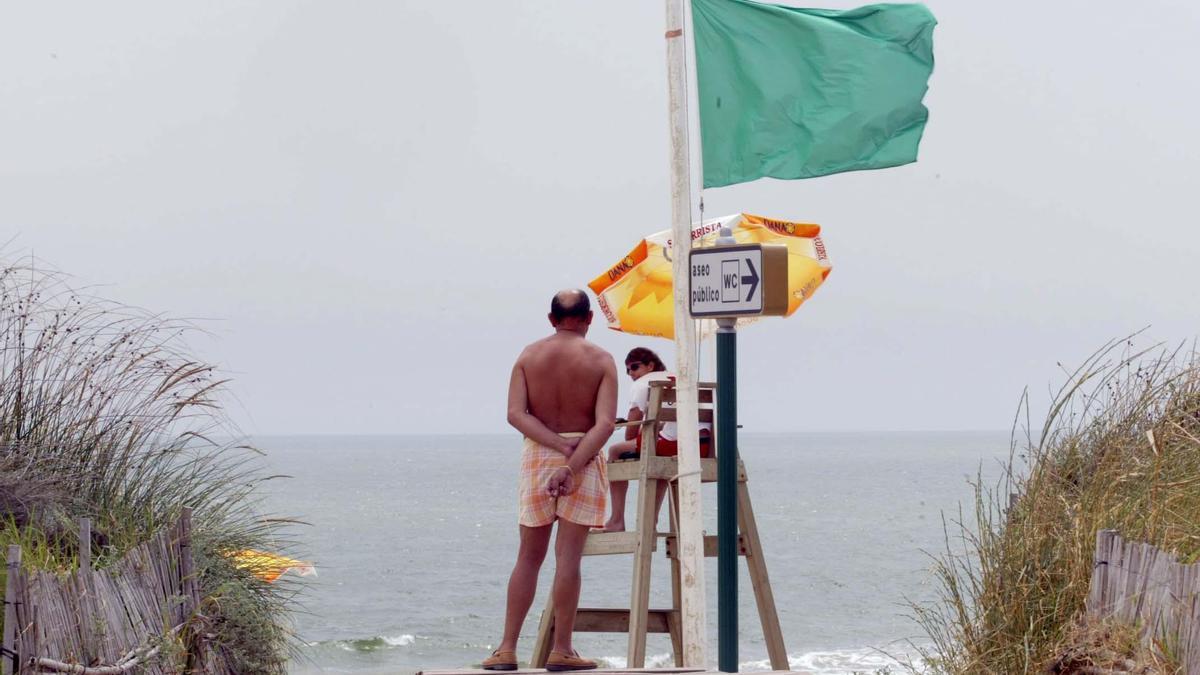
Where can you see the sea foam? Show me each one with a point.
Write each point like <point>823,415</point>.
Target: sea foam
<point>833,662</point>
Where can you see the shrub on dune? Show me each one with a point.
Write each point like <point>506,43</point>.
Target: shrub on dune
<point>1120,449</point>
<point>105,414</point>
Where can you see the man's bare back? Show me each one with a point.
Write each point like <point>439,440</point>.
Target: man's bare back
<point>563,374</point>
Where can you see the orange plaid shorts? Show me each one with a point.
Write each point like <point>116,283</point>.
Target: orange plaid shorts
<point>584,506</point>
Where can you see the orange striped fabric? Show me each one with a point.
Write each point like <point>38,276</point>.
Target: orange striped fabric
<point>584,506</point>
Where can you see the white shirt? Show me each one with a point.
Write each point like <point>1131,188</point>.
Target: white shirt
<point>639,397</point>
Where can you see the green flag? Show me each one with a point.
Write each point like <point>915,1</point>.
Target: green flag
<point>796,93</point>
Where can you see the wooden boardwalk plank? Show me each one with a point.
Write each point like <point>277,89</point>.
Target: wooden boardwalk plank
<point>601,671</point>
<point>541,670</point>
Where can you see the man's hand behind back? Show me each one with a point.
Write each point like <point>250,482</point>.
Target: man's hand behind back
<point>561,483</point>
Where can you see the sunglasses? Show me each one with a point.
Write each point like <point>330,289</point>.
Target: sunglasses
<point>629,368</point>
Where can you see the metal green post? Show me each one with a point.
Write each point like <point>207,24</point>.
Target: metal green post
<point>727,529</point>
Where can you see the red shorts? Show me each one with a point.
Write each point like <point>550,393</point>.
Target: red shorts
<point>666,448</point>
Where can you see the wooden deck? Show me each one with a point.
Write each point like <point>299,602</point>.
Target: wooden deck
<point>601,671</point>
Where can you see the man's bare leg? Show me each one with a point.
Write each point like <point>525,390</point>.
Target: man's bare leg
<point>568,552</point>
<point>618,489</point>
<point>616,522</point>
<point>522,584</point>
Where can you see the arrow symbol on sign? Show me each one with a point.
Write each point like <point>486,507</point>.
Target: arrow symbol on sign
<point>751,280</point>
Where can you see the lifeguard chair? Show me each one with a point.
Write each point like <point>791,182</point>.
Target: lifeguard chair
<point>649,469</point>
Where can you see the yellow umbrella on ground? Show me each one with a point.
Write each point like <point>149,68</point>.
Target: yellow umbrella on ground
<point>269,566</point>
<point>635,294</point>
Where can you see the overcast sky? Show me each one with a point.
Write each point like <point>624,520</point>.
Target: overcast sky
<point>371,203</point>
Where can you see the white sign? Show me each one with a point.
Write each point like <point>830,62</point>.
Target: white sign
<point>726,281</point>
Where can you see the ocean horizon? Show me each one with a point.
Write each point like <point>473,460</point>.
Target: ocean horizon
<point>414,535</point>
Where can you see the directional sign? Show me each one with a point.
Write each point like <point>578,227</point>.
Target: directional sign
<point>738,280</point>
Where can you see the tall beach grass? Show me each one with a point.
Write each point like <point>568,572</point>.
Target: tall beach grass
<point>1120,449</point>
<point>105,413</point>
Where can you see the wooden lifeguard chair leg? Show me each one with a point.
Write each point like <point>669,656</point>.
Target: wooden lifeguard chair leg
<point>757,566</point>
<point>676,616</point>
<point>545,636</point>
<point>639,601</point>
<point>647,530</point>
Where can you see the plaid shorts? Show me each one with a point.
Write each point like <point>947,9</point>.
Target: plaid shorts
<point>584,506</point>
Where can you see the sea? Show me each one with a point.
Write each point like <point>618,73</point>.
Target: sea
<point>413,538</point>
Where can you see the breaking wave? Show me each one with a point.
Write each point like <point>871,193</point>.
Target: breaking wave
<point>371,644</point>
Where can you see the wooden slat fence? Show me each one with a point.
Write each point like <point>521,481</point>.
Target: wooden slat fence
<point>130,617</point>
<point>1143,586</point>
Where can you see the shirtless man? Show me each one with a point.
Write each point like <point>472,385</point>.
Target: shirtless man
<point>563,398</point>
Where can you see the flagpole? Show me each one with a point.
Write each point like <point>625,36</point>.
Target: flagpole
<point>691,544</point>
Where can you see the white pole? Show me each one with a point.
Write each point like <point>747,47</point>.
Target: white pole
<point>691,542</point>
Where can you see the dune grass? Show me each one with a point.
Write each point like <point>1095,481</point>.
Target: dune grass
<point>104,413</point>
<point>1120,449</point>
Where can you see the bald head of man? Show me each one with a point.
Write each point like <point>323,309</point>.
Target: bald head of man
<point>570,309</point>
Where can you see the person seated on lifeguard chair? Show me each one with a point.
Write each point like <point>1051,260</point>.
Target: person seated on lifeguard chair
<point>643,367</point>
